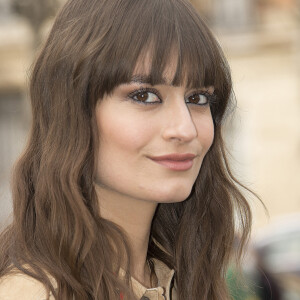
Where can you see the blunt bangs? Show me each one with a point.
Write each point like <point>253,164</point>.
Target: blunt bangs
<point>163,30</point>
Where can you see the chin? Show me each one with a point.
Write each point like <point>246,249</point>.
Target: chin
<point>173,197</point>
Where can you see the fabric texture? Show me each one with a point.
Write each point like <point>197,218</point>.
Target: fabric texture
<point>165,289</point>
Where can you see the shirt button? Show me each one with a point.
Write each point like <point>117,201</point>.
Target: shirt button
<point>145,298</point>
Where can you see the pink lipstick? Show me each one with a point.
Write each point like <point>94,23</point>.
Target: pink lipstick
<point>175,161</point>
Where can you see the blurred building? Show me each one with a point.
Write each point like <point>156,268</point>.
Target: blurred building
<point>21,24</point>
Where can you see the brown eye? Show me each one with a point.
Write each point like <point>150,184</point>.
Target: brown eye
<point>142,96</point>
<point>145,97</point>
<point>199,99</point>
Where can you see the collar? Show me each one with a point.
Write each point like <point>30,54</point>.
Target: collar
<point>162,291</point>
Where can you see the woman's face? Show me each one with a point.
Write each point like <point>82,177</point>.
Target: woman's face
<point>138,122</point>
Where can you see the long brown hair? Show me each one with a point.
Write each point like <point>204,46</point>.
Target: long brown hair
<point>93,47</point>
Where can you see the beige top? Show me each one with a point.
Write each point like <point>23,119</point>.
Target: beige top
<point>163,291</point>
<point>20,286</point>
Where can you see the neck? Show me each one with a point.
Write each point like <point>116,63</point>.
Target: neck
<point>134,216</point>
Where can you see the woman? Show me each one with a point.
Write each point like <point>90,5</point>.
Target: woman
<point>124,191</point>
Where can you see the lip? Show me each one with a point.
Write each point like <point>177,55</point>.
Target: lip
<point>174,157</point>
<point>175,161</point>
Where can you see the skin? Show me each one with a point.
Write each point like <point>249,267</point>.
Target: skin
<point>129,184</point>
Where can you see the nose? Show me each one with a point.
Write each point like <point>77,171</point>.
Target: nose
<point>179,123</point>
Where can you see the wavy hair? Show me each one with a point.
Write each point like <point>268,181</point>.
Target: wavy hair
<point>57,231</point>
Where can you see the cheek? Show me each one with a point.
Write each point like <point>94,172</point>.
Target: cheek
<point>122,132</point>
<point>205,129</point>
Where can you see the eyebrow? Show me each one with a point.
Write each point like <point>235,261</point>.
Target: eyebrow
<point>146,79</point>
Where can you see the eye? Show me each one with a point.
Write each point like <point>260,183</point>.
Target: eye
<point>199,98</point>
<point>145,96</point>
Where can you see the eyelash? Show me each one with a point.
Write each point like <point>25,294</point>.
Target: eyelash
<point>210,97</point>
<point>144,90</point>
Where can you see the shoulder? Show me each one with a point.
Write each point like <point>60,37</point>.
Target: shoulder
<point>18,286</point>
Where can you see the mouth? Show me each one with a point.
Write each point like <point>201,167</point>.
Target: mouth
<point>176,161</point>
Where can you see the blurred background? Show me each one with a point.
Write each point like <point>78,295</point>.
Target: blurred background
<point>261,39</point>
